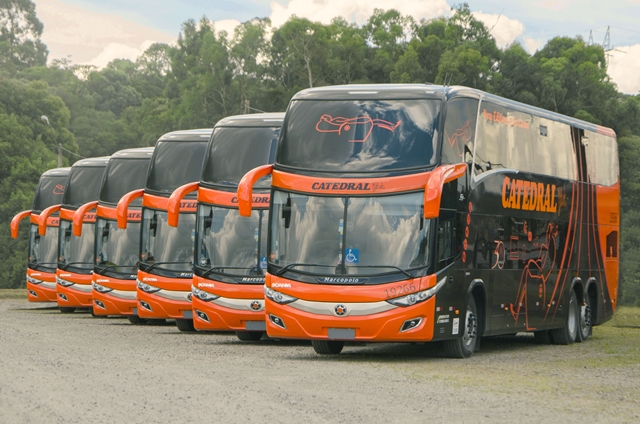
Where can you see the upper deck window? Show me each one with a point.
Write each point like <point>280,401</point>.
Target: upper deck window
<point>84,185</point>
<point>49,193</point>
<point>123,176</point>
<point>360,135</point>
<point>174,164</point>
<point>234,151</point>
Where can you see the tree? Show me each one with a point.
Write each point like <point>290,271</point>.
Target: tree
<point>20,32</point>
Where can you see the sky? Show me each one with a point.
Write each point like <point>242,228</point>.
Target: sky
<point>98,31</point>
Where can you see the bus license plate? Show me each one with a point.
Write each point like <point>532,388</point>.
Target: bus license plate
<point>342,333</point>
<point>255,326</point>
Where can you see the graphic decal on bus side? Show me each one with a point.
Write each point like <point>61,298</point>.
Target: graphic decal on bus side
<point>329,124</point>
<point>528,195</point>
<point>58,189</point>
<point>460,138</point>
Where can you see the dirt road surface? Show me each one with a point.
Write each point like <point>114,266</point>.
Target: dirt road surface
<point>75,368</point>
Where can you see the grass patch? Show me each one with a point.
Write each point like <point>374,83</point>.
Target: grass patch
<point>625,316</point>
<point>13,293</point>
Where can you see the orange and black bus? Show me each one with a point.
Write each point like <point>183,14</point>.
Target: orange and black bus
<point>417,213</point>
<point>165,267</point>
<point>230,254</point>
<point>116,249</point>
<point>43,250</point>
<point>75,254</point>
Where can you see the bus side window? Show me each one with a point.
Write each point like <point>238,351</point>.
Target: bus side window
<point>445,249</point>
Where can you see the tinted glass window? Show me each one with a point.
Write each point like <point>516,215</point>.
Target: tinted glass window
<point>602,158</point>
<point>76,253</point>
<point>235,151</point>
<point>175,163</point>
<point>360,136</point>
<point>165,247</point>
<point>43,250</point>
<point>123,176</point>
<point>459,130</point>
<point>84,185</point>
<point>50,191</point>
<point>117,248</point>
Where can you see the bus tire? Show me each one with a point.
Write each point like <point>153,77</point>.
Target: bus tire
<point>327,347</point>
<point>584,321</point>
<point>185,324</point>
<point>66,310</point>
<point>463,347</point>
<point>568,334</point>
<point>249,336</point>
<point>542,337</point>
<point>136,320</point>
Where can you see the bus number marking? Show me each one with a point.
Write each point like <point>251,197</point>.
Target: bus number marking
<point>400,290</point>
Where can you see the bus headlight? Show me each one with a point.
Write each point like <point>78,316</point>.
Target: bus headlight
<point>278,297</point>
<point>203,295</point>
<point>33,280</point>
<point>100,288</point>
<point>147,288</point>
<point>64,283</point>
<point>418,297</point>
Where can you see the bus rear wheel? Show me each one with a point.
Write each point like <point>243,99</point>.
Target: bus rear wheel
<point>66,310</point>
<point>249,336</point>
<point>185,324</point>
<point>584,322</point>
<point>327,347</point>
<point>464,346</point>
<point>568,334</point>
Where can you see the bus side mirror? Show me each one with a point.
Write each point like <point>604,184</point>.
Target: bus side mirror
<point>286,213</point>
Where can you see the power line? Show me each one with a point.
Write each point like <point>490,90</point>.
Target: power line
<point>75,154</point>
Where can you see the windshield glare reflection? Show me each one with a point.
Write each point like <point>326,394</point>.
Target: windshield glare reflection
<point>117,248</point>
<point>43,250</point>
<point>230,243</point>
<point>76,252</point>
<point>169,248</point>
<point>375,234</point>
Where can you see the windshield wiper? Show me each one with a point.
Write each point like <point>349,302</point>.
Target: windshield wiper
<point>288,267</point>
<point>388,266</point>
<point>74,264</point>
<point>222,268</point>
<point>155,264</point>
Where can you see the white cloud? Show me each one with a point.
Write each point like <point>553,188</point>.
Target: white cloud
<point>503,29</point>
<point>91,37</point>
<point>119,51</point>
<point>624,68</point>
<point>227,25</point>
<point>355,10</point>
<point>532,45</point>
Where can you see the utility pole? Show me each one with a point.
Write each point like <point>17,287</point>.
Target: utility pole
<point>247,107</point>
<point>59,155</point>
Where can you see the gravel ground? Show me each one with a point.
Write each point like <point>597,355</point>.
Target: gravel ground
<point>73,367</point>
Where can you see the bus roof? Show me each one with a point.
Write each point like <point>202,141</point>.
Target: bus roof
<point>252,120</point>
<point>187,135</point>
<point>417,91</point>
<point>137,153</point>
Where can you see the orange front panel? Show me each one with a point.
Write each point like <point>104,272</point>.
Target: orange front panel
<point>45,291</point>
<point>225,198</point>
<point>79,294</point>
<point>121,301</point>
<point>170,302</point>
<point>161,203</point>
<point>238,303</point>
<point>381,327</point>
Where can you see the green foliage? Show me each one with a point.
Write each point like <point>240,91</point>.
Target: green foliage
<point>209,75</point>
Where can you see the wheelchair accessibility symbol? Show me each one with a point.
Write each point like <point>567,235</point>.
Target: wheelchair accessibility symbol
<point>352,256</point>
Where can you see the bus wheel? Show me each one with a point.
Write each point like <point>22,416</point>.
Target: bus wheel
<point>327,347</point>
<point>568,334</point>
<point>249,336</point>
<point>185,324</point>
<point>464,346</point>
<point>66,310</point>
<point>584,321</point>
<point>135,319</point>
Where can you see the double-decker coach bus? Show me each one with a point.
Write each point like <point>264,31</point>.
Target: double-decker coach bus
<point>165,268</point>
<point>75,254</point>
<point>116,250</point>
<point>43,250</point>
<point>425,213</point>
<point>231,251</point>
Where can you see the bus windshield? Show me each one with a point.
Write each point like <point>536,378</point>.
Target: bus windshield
<point>230,244</point>
<point>166,248</point>
<point>43,250</point>
<point>117,248</point>
<point>360,135</point>
<point>374,235</point>
<point>235,151</point>
<point>76,253</point>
